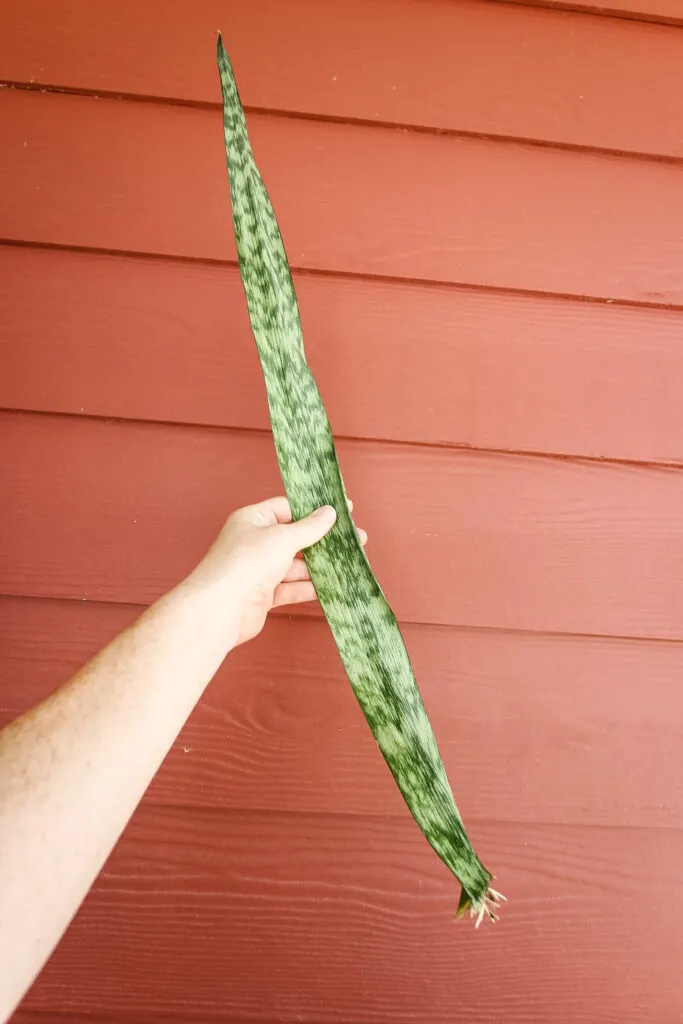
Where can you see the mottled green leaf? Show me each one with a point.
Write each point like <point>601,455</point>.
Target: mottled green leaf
<point>362,623</point>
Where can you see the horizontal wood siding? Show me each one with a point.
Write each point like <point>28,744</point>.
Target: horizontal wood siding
<point>281,730</point>
<point>456,65</point>
<point>101,327</point>
<point>431,207</point>
<point>302,907</point>
<point>120,511</point>
<point>483,203</point>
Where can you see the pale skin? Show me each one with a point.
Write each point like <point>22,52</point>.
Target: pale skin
<point>73,770</point>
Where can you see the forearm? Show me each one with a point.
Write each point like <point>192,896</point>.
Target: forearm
<point>73,770</point>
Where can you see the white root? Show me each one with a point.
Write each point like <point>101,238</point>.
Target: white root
<point>487,906</point>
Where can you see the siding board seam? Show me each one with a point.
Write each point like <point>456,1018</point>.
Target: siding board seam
<point>412,624</point>
<point>349,275</point>
<point>444,446</point>
<point>360,122</point>
<point>597,11</point>
<point>472,819</point>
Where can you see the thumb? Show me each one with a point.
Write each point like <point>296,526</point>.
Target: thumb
<point>313,528</point>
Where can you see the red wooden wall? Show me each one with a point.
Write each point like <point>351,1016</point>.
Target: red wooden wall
<point>484,205</point>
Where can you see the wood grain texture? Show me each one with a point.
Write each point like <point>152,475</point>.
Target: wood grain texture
<point>539,729</point>
<point>362,200</point>
<point>26,1016</point>
<point>121,511</point>
<point>459,66</point>
<point>184,1015</point>
<point>334,919</point>
<point>170,341</point>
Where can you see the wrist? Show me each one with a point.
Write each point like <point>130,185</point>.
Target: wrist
<point>213,602</point>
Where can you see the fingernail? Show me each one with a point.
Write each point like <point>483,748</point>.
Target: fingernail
<point>325,510</point>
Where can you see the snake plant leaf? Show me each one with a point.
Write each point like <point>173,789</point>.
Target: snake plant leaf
<point>362,623</point>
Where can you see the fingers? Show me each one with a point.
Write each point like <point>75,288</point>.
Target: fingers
<point>297,571</point>
<point>271,511</point>
<point>362,535</point>
<point>294,593</point>
<point>312,528</point>
<point>276,510</point>
<point>306,531</point>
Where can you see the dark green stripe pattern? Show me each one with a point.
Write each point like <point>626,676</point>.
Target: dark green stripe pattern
<point>362,623</point>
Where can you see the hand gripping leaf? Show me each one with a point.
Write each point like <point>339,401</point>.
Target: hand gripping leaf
<point>362,623</point>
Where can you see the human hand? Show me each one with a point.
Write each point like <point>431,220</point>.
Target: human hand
<point>258,555</point>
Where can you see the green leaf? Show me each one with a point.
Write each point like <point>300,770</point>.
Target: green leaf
<point>363,625</point>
